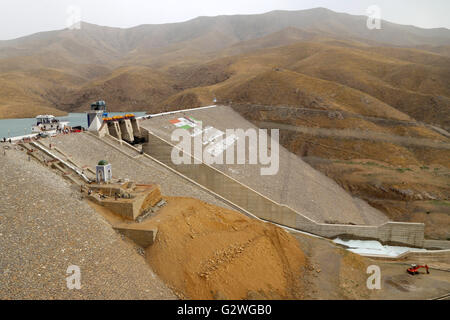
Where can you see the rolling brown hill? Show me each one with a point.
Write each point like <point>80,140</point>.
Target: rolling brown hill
<point>409,81</point>
<point>369,108</point>
<point>137,87</point>
<point>139,68</point>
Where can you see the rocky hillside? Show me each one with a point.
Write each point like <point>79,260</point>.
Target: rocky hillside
<point>369,108</point>
<point>155,67</point>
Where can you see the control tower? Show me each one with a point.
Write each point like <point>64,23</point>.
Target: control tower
<point>98,110</point>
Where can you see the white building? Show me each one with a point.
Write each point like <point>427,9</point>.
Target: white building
<point>103,171</point>
<point>95,115</point>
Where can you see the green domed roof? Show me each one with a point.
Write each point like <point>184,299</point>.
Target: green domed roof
<point>102,163</point>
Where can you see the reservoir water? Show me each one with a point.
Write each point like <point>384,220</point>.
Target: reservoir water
<point>20,127</point>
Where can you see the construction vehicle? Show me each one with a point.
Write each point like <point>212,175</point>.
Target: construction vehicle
<point>414,269</point>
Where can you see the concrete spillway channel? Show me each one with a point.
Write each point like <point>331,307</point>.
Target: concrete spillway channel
<point>78,171</point>
<point>58,161</point>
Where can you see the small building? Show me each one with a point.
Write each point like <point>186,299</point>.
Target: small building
<point>103,171</point>
<point>95,115</point>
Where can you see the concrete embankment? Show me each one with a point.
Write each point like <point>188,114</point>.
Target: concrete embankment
<point>438,259</point>
<point>221,188</point>
<point>293,183</point>
<point>437,244</point>
<point>390,233</point>
<point>251,201</point>
<point>297,196</point>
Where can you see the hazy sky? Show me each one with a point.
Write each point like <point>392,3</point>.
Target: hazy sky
<point>23,17</point>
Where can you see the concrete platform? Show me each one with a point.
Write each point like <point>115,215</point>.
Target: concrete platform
<point>127,200</point>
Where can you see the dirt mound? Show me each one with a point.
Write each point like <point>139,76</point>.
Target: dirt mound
<point>206,252</point>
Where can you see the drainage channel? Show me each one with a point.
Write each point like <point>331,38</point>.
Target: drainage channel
<point>68,165</point>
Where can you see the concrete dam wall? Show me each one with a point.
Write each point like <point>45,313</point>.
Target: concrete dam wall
<point>124,129</point>
<point>411,234</point>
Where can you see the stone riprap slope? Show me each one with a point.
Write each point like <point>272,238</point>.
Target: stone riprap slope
<point>296,184</point>
<point>45,227</point>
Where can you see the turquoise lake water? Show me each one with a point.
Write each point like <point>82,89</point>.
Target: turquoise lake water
<point>20,127</point>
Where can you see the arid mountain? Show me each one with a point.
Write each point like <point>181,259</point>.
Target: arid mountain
<point>373,81</point>
<point>99,44</point>
<point>139,68</point>
<point>369,108</point>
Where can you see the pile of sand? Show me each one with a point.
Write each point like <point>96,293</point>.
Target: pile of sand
<point>206,252</point>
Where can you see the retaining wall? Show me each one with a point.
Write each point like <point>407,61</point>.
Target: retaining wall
<point>130,208</point>
<point>411,234</point>
<point>136,128</point>
<point>127,130</point>
<point>126,209</point>
<point>439,244</point>
<point>114,129</point>
<point>143,238</point>
<point>426,257</point>
<point>439,259</point>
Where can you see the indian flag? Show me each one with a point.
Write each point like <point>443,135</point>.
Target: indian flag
<point>185,123</point>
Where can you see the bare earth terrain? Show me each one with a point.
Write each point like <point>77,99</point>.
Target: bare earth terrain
<point>201,251</point>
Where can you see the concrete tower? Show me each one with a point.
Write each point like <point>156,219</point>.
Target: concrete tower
<point>104,171</point>
<point>97,112</point>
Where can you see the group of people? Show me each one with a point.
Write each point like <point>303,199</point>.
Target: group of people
<point>64,131</point>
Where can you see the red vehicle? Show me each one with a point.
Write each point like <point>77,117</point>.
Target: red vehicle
<point>415,269</point>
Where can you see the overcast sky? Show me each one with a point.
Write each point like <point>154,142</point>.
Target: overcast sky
<point>23,17</point>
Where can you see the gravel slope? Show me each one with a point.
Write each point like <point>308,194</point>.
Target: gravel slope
<point>45,227</point>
